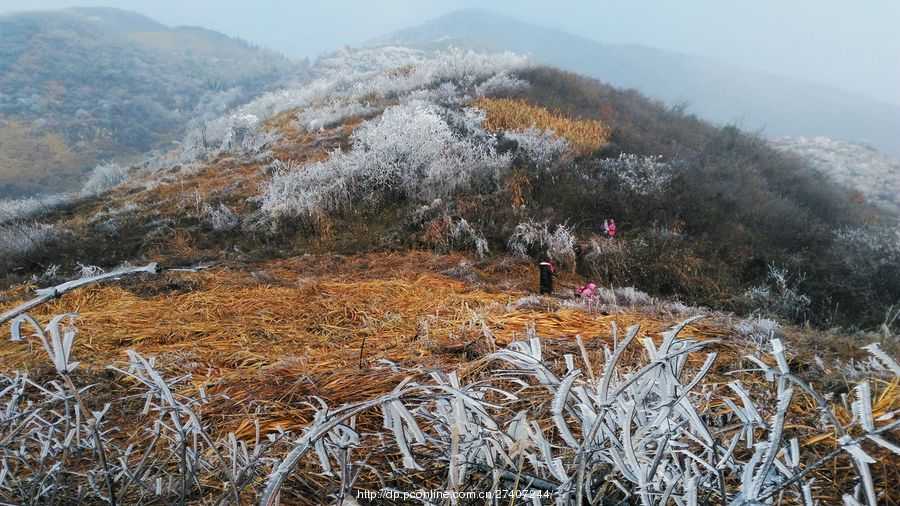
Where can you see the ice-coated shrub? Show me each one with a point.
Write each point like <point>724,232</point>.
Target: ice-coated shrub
<point>238,133</point>
<point>664,232</point>
<point>464,233</point>
<point>462,271</point>
<point>88,271</point>
<point>426,212</point>
<point>867,249</point>
<point>104,177</point>
<point>758,329</point>
<point>20,239</point>
<point>780,295</point>
<point>126,208</point>
<point>312,189</point>
<point>220,217</point>
<point>51,272</point>
<point>643,175</point>
<point>631,296</point>
<point>29,207</point>
<point>409,150</point>
<point>678,307</point>
<point>527,235</point>
<point>320,118</point>
<point>561,245</point>
<point>624,296</point>
<point>877,364</point>
<point>413,147</point>
<point>533,237</point>
<point>501,83</point>
<point>446,94</point>
<point>452,65</point>
<point>598,247</point>
<point>243,135</point>
<point>528,302</point>
<point>541,147</point>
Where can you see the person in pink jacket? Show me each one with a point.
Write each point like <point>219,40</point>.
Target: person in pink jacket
<point>586,291</point>
<point>612,227</point>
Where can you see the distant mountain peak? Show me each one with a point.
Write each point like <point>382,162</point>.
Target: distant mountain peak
<point>719,92</point>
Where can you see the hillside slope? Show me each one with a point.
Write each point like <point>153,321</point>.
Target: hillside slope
<point>390,149</point>
<point>371,237</point>
<point>83,85</point>
<point>725,94</point>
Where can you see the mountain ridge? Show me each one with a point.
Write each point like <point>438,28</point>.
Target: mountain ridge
<point>723,93</point>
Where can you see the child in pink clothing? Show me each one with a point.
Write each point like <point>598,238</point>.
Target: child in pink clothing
<point>586,291</point>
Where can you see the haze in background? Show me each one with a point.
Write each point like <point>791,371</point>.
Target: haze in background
<point>849,45</point>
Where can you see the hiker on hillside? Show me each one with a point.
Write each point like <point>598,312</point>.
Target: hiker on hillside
<point>604,228</point>
<point>612,227</point>
<point>548,271</point>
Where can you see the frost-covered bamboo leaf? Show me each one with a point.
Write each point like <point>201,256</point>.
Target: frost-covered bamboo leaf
<point>749,410</point>
<point>772,446</point>
<point>863,460</point>
<point>862,407</point>
<point>608,371</point>
<point>559,404</point>
<point>778,352</point>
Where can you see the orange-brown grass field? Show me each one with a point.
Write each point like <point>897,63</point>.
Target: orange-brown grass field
<point>264,338</point>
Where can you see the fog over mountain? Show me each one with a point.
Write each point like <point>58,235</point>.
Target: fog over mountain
<point>853,46</point>
<point>726,94</point>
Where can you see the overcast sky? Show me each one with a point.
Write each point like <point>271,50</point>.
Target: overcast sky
<point>850,44</point>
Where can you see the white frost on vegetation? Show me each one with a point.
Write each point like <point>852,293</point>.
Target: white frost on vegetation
<point>20,239</point>
<point>104,177</point>
<point>643,175</point>
<point>411,149</point>
<point>220,217</point>
<point>655,427</point>
<point>463,233</point>
<point>532,237</point>
<point>779,295</point>
<point>501,83</point>
<point>327,116</point>
<point>758,329</point>
<point>29,207</point>
<point>542,147</point>
<point>350,78</point>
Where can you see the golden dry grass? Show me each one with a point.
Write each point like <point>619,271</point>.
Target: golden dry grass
<point>585,135</point>
<point>269,336</point>
<point>307,317</point>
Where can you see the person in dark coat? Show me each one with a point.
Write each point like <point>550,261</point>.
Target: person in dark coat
<point>548,272</point>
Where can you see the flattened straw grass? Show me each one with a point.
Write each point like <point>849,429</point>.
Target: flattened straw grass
<point>270,346</point>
